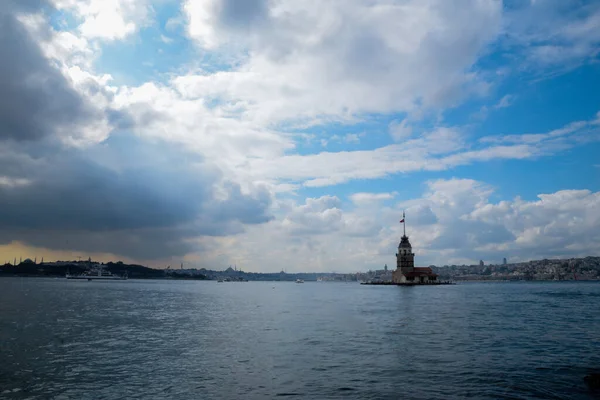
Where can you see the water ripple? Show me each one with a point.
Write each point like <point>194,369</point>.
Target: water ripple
<point>188,340</point>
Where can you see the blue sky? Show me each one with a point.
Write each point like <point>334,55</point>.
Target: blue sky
<point>310,126</point>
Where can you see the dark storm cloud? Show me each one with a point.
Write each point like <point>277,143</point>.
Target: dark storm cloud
<point>83,195</point>
<point>138,245</point>
<point>126,196</point>
<point>239,207</point>
<point>23,5</point>
<point>35,97</point>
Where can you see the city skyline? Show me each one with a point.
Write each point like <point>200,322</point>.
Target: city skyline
<point>292,135</point>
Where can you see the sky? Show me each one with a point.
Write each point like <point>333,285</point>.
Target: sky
<point>292,135</point>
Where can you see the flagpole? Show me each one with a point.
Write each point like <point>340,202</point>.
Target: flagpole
<point>404,222</point>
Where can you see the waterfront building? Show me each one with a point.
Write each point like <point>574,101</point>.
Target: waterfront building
<point>406,272</point>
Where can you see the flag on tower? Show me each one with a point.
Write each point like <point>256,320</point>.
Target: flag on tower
<point>402,222</point>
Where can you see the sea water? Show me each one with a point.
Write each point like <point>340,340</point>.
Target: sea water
<point>157,339</point>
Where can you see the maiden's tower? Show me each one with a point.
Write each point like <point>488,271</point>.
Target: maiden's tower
<point>405,272</point>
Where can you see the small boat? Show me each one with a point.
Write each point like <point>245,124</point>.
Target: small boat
<point>220,280</point>
<point>299,281</point>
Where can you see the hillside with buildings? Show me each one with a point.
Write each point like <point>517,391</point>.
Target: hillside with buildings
<point>32,268</point>
<point>587,268</point>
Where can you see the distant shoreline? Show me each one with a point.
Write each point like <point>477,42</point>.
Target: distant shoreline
<point>546,270</point>
<point>169,279</point>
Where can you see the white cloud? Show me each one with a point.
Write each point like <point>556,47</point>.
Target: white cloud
<point>560,34</point>
<point>440,149</point>
<point>212,22</point>
<point>318,61</point>
<point>505,101</point>
<point>349,138</point>
<point>234,115</point>
<point>249,151</point>
<point>369,198</point>
<point>453,222</point>
<point>232,143</point>
<point>568,135</point>
<point>65,47</point>
<point>400,130</point>
<point>166,39</point>
<point>317,216</point>
<point>472,227</point>
<point>173,24</point>
<point>298,64</point>
<point>353,138</point>
<point>551,225</point>
<point>245,148</point>
<point>12,182</point>
<point>107,19</point>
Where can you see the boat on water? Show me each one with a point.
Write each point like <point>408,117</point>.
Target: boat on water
<point>99,274</point>
<point>232,280</point>
<point>299,280</point>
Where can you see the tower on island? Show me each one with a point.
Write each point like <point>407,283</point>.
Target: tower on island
<point>405,263</point>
